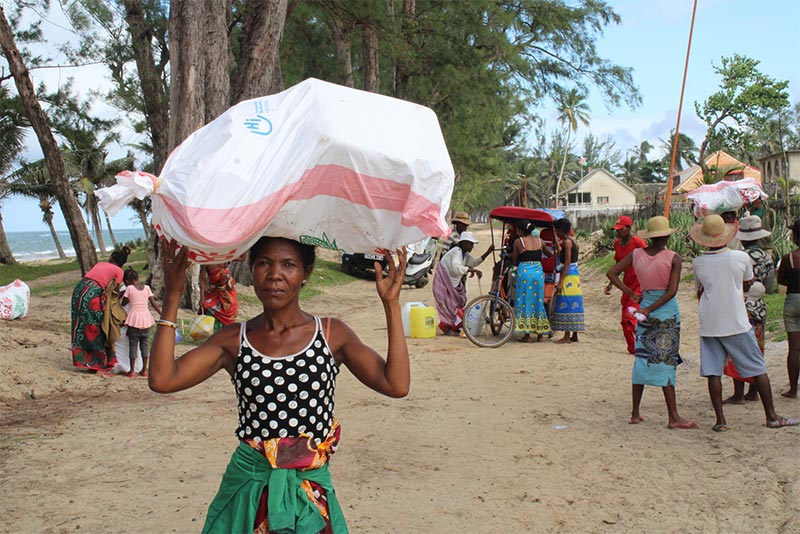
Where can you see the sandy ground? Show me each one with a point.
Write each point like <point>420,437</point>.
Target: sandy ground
<point>525,438</point>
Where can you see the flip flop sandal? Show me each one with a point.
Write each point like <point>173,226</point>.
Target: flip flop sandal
<point>722,427</point>
<point>782,422</point>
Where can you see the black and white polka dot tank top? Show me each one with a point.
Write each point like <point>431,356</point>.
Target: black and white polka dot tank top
<point>287,396</point>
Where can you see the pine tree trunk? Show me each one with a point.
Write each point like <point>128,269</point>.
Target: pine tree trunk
<point>48,219</point>
<point>217,58</point>
<point>156,106</point>
<point>81,240</point>
<point>402,74</point>
<point>370,46</point>
<point>342,44</point>
<point>260,57</point>
<point>6,257</point>
<point>240,270</point>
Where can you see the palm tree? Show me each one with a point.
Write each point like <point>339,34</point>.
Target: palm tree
<point>631,172</point>
<point>572,109</point>
<point>33,180</point>
<point>687,150</point>
<point>717,173</point>
<point>12,133</point>
<point>88,159</point>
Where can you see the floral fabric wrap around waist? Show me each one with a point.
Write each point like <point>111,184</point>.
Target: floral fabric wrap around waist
<point>658,338</point>
<point>279,485</point>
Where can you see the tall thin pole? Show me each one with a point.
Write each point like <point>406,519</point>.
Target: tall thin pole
<point>678,123</point>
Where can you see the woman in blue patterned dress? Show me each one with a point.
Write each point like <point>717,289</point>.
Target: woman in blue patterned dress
<point>529,310</point>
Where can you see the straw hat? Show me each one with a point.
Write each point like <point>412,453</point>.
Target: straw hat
<point>462,217</point>
<point>713,231</point>
<point>750,229</point>
<point>657,226</point>
<point>467,236</point>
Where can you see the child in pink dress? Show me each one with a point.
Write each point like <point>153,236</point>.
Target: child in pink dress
<point>139,320</point>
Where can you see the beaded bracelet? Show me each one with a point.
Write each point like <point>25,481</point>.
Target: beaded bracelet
<point>164,322</point>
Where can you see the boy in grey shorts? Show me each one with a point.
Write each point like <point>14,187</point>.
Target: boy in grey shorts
<point>721,277</point>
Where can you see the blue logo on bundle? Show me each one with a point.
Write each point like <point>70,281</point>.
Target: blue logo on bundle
<point>260,124</point>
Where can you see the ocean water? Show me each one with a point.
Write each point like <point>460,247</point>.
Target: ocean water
<point>39,245</point>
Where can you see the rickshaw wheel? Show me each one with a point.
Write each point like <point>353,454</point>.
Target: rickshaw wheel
<point>488,321</point>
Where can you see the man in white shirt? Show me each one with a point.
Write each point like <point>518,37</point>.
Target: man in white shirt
<point>721,277</point>
<point>449,288</point>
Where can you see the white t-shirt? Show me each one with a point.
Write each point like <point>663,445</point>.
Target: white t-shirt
<point>457,263</point>
<point>721,273</point>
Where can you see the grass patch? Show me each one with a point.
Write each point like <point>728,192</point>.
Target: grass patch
<point>53,289</point>
<point>31,271</point>
<point>326,274</point>
<point>775,316</point>
<point>601,263</point>
<point>27,271</point>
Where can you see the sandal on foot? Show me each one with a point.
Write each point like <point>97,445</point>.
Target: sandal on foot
<point>720,427</point>
<point>782,422</point>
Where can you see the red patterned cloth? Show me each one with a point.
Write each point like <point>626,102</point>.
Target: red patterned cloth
<point>302,454</point>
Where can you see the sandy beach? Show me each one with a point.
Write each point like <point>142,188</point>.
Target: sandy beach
<point>524,438</point>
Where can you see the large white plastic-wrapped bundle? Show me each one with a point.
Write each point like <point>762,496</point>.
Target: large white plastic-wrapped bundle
<point>724,196</point>
<point>15,298</point>
<point>320,163</point>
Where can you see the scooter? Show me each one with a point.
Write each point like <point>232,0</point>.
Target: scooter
<point>420,262</point>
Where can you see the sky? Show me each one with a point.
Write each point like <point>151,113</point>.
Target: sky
<point>651,38</point>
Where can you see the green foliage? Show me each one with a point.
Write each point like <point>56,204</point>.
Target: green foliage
<point>745,100</point>
<point>136,244</point>
<point>12,130</point>
<point>480,66</point>
<point>679,242</point>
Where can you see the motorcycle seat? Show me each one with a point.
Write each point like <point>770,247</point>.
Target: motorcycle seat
<point>418,259</point>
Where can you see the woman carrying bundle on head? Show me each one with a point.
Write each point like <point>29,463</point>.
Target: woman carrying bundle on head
<point>530,313</point>
<point>283,364</point>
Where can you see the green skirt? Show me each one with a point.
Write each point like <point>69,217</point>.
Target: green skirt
<point>289,509</point>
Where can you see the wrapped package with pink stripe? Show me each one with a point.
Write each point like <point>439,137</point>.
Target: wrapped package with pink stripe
<point>724,196</point>
<point>319,163</point>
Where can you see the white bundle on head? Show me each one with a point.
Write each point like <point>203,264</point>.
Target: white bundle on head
<point>320,163</point>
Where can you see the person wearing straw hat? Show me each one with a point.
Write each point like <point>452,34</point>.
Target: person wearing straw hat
<point>721,277</point>
<point>658,330</point>
<point>449,282</point>
<point>460,222</point>
<point>625,243</point>
<point>751,235</point>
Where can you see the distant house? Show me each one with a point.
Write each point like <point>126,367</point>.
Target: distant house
<point>598,191</point>
<point>691,178</point>
<point>780,165</point>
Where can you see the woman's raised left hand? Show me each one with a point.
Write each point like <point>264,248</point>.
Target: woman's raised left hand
<point>175,262</point>
<point>389,283</point>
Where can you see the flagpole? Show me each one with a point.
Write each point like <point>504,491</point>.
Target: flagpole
<point>678,123</point>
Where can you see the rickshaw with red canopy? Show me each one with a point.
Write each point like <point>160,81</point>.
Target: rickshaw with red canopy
<point>489,319</point>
